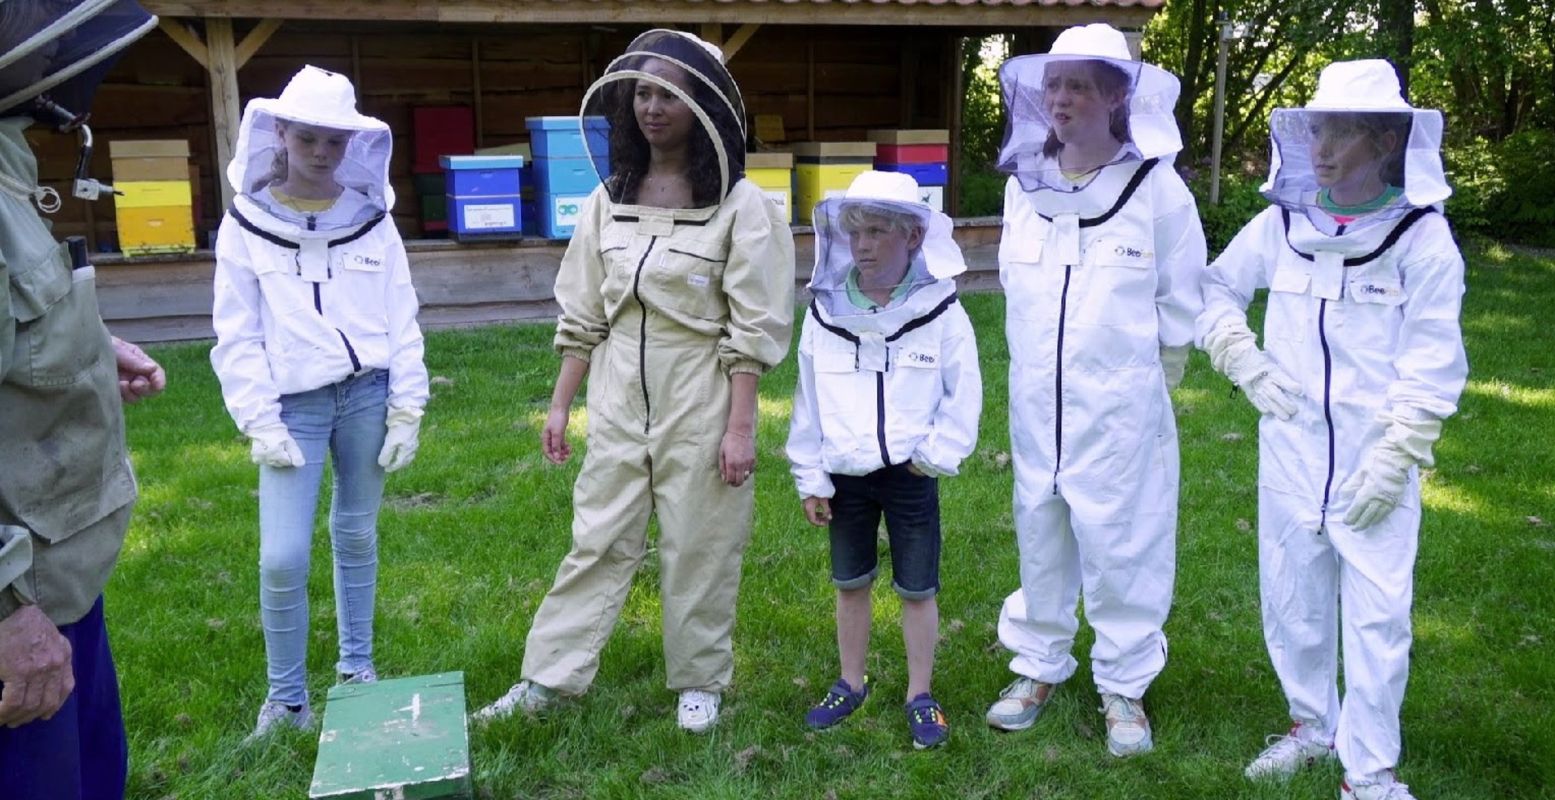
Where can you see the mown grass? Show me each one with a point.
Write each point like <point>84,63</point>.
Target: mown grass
<point>471,536</point>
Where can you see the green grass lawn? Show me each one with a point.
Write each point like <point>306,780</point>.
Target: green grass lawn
<point>472,533</point>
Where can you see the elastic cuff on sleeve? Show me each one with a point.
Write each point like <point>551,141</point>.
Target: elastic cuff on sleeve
<point>579,353</point>
<point>748,366</point>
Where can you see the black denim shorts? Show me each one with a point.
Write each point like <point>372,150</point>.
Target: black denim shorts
<point>910,503</point>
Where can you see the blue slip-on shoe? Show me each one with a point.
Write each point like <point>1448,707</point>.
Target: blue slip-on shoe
<point>926,721</point>
<point>839,702</point>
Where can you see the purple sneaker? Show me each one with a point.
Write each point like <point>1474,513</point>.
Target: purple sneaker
<point>841,701</point>
<point>926,720</point>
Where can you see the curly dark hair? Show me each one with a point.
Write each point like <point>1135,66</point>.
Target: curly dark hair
<point>1109,80</point>
<point>629,150</point>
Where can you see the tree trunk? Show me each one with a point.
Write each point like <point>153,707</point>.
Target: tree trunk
<point>1199,23</point>
<point>1396,26</point>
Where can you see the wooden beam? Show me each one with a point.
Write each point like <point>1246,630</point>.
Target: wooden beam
<point>256,39</point>
<point>691,12</point>
<point>186,39</point>
<point>223,72</point>
<point>738,40</point>
<point>713,34</point>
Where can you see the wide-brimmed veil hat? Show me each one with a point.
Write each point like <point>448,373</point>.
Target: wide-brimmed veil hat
<point>321,99</point>
<point>888,201</point>
<point>1151,127</point>
<point>718,138</point>
<point>1362,95</point>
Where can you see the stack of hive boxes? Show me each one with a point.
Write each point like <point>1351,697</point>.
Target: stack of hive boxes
<point>923,154</point>
<point>483,196</point>
<point>774,173</point>
<point>155,201</point>
<point>437,131</point>
<point>563,173</point>
<point>825,169</point>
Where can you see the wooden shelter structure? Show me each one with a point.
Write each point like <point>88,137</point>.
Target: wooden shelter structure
<point>830,69</point>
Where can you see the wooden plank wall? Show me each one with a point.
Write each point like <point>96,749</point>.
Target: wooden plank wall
<point>156,91</point>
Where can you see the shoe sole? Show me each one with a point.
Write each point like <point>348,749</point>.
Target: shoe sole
<point>1132,751</point>
<point>699,729</point>
<point>998,723</point>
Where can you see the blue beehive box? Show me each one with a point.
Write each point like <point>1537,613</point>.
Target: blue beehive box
<point>559,214</point>
<point>484,195</point>
<point>558,176</point>
<point>560,137</point>
<point>933,174</point>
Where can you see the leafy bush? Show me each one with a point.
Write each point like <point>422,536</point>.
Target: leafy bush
<point>1504,189</point>
<point>1239,203</point>
<point>982,192</point>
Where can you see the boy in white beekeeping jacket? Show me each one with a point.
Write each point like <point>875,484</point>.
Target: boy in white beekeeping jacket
<point>1362,360</point>
<point>1100,258</point>
<point>319,356</point>
<point>888,401</point>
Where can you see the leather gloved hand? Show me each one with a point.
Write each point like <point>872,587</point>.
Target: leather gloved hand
<point>402,439</point>
<point>273,446</point>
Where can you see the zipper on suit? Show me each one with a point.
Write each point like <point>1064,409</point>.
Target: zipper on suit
<point>885,455</point>
<point>1328,414</point>
<point>318,305</point>
<point>1058,381</point>
<point>642,336</point>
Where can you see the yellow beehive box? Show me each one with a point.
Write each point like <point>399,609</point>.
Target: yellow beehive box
<point>145,194</point>
<point>916,136</point>
<point>151,230</point>
<point>816,182</point>
<point>774,174</point>
<point>149,148</point>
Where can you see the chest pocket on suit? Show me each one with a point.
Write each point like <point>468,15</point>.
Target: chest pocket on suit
<point>687,275</point>
<point>835,356</point>
<point>1291,305</point>
<point>59,333</point>
<point>1369,316</point>
<point>1112,270</point>
<point>916,365</point>
<point>360,286</point>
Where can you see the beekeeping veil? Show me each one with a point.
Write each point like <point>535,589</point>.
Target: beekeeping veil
<point>693,71</point>
<point>53,53</point>
<point>1143,124</point>
<point>323,103</point>
<point>1356,99</point>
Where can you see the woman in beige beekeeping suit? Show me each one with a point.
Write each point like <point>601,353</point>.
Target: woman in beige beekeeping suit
<point>676,295</point>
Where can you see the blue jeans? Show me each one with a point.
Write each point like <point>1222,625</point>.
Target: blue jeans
<point>80,753</point>
<point>911,506</point>
<point>346,420</point>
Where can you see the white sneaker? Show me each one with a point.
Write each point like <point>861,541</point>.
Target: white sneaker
<point>1128,729</point>
<point>363,675</point>
<point>273,715</point>
<point>1019,705</point>
<point>526,696</point>
<point>698,711</point>
<point>1285,755</point>
<point>1386,789</point>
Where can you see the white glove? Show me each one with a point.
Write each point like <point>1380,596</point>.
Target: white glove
<point>1233,353</point>
<point>1375,489</point>
<point>1174,362</point>
<point>273,446</point>
<point>402,439</point>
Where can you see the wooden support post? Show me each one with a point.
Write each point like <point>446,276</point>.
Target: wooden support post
<point>809,89</point>
<point>475,90</point>
<point>739,39</point>
<point>223,71</point>
<point>955,107</point>
<point>713,33</point>
<point>356,64</point>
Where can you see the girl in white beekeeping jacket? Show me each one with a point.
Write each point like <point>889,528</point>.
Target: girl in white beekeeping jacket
<point>319,354</point>
<point>888,400</point>
<point>1100,258</point>
<point>676,294</point>
<point>1362,360</point>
